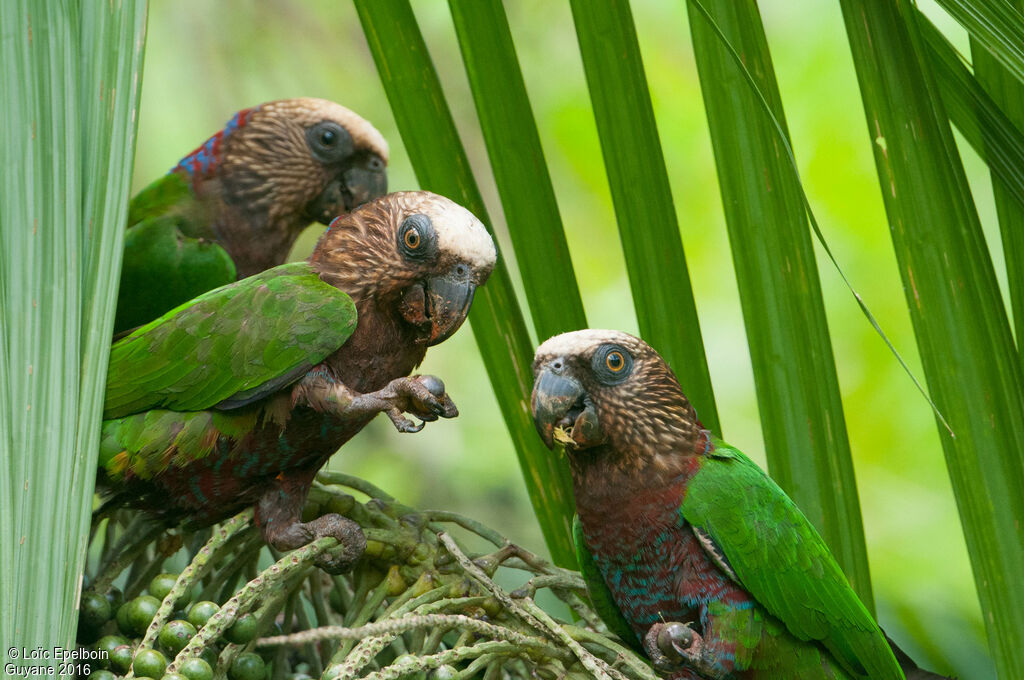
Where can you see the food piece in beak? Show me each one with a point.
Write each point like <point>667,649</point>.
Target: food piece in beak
<point>562,412</point>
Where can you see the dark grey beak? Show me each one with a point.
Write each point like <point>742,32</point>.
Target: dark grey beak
<point>346,193</point>
<point>554,395</point>
<point>363,185</point>
<point>448,299</point>
<point>559,400</point>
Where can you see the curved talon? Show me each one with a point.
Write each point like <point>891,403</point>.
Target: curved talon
<point>413,427</point>
<point>403,424</point>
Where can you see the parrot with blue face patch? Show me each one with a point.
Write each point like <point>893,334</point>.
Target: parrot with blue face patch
<point>238,397</point>
<point>691,553</point>
<point>234,206</point>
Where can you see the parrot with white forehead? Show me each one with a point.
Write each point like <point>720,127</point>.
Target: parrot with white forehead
<point>235,205</point>
<point>691,553</point>
<point>238,397</point>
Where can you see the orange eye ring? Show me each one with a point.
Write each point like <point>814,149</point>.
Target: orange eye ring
<point>412,239</point>
<point>615,361</point>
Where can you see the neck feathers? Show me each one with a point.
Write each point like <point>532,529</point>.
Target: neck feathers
<point>205,160</point>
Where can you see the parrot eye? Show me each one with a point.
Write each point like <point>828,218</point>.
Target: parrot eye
<point>615,361</point>
<point>412,239</point>
<point>416,237</point>
<point>612,364</point>
<point>329,142</point>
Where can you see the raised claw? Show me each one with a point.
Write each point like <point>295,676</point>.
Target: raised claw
<point>674,646</point>
<point>433,396</point>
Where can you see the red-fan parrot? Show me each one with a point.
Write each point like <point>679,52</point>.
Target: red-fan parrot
<point>234,206</point>
<point>238,397</point>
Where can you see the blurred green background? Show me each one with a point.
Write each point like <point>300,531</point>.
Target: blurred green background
<point>206,60</point>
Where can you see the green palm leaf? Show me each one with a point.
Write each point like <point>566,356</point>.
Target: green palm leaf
<point>969,358</point>
<point>794,371</point>
<point>441,166</point>
<point>70,77</point>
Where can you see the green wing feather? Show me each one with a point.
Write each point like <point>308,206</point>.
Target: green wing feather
<point>168,255</point>
<point>170,195</point>
<point>163,268</point>
<point>782,561</point>
<point>230,346</point>
<point>601,597</point>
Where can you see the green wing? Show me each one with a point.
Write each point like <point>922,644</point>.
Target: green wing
<point>781,560</point>
<point>169,257</point>
<point>171,195</point>
<point>599,593</point>
<point>231,346</point>
<point>163,268</point>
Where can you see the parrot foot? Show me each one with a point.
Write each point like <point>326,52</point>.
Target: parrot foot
<point>674,646</point>
<point>338,560</point>
<point>420,395</point>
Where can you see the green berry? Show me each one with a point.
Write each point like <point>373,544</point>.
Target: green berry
<point>141,611</point>
<point>121,616</point>
<point>201,612</point>
<point>121,658</point>
<point>149,662</point>
<point>210,655</point>
<point>243,630</point>
<point>161,585</point>
<point>174,676</point>
<point>196,669</point>
<point>107,644</point>
<point>247,666</point>
<point>175,635</point>
<point>102,675</point>
<point>94,611</point>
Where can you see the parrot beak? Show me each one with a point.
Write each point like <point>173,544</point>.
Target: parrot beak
<point>361,185</point>
<point>447,302</point>
<point>440,304</point>
<point>562,411</point>
<point>346,193</point>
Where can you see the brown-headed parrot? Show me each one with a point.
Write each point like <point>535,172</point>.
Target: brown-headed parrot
<point>234,206</point>
<point>691,553</point>
<point>238,397</point>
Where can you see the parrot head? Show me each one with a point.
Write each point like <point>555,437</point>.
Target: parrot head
<point>601,391</point>
<point>414,252</point>
<point>298,160</point>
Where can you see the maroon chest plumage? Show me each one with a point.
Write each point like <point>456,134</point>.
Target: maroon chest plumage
<point>650,558</point>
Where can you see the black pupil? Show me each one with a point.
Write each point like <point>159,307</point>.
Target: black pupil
<point>412,238</point>
<point>327,137</point>
<point>614,361</point>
